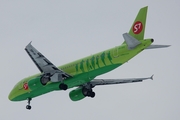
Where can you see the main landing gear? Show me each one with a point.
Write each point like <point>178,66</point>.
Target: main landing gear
<point>28,106</point>
<point>47,77</point>
<point>88,92</point>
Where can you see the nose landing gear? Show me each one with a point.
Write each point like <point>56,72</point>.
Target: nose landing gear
<point>28,106</point>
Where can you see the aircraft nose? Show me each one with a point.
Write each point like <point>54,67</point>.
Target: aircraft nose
<point>11,95</point>
<point>17,92</point>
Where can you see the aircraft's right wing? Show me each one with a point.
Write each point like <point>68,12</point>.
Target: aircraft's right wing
<point>43,64</point>
<point>96,82</point>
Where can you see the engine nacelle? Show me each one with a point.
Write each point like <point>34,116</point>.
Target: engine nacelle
<point>35,83</point>
<point>76,95</point>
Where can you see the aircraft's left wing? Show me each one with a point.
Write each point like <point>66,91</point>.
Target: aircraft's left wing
<point>96,82</point>
<point>43,64</point>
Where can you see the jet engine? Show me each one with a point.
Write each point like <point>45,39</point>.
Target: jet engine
<point>80,93</point>
<point>76,95</point>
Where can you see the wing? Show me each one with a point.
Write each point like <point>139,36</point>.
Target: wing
<point>43,64</point>
<point>96,82</point>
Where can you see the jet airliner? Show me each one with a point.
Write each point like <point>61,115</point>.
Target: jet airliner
<point>81,74</point>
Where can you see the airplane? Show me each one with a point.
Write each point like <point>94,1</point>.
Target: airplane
<point>81,74</point>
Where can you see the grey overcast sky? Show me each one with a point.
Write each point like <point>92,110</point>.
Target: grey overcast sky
<point>64,31</point>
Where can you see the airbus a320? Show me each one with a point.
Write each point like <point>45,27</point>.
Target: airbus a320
<point>81,74</point>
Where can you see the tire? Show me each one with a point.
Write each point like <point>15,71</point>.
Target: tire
<point>92,95</point>
<point>63,86</point>
<point>88,93</point>
<point>28,107</point>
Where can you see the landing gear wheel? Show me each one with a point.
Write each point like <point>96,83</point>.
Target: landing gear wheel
<point>63,86</point>
<point>28,107</point>
<point>88,92</point>
<point>92,94</point>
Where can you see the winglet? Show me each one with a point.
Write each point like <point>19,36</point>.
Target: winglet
<point>152,77</point>
<point>30,43</point>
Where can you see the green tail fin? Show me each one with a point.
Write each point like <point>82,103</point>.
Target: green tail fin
<point>138,27</point>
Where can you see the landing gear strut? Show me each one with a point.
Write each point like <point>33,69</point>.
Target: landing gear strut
<point>28,106</point>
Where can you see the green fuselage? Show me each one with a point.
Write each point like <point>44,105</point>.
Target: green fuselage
<point>83,71</point>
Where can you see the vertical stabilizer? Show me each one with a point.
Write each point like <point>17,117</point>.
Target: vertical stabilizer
<point>138,27</point>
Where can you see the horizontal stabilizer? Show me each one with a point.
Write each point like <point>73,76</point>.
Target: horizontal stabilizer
<point>130,41</point>
<point>157,46</point>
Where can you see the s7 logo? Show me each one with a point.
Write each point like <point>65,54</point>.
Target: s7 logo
<point>137,27</point>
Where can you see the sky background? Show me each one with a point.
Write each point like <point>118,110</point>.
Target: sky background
<point>64,31</point>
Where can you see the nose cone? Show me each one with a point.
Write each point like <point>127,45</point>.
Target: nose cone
<point>11,95</point>
<point>14,93</point>
<point>19,92</point>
